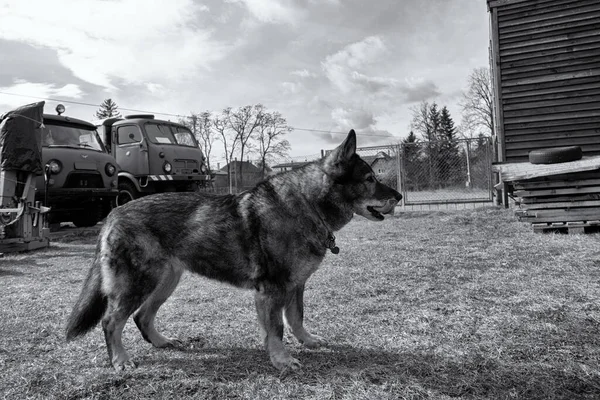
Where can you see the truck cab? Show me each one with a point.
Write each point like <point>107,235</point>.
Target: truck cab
<point>153,156</point>
<point>80,180</point>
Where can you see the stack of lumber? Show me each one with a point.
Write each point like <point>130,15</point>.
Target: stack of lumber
<point>567,202</point>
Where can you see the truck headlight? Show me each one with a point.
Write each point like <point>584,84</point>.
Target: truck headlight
<point>55,166</point>
<point>167,167</point>
<point>110,169</point>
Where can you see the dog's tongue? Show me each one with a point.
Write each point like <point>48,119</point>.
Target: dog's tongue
<point>386,209</point>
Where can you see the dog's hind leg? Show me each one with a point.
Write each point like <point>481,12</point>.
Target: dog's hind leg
<point>145,315</point>
<point>113,323</point>
<point>294,316</point>
<point>269,307</point>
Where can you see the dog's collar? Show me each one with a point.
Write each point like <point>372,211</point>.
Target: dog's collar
<point>330,244</point>
<point>330,241</point>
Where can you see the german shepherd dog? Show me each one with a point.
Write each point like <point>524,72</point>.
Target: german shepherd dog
<point>269,239</point>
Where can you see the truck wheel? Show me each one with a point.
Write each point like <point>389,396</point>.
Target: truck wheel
<point>127,193</point>
<point>88,219</point>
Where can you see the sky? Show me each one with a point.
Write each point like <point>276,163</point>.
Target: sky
<point>326,65</point>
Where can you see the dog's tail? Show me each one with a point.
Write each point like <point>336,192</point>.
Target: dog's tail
<point>90,306</point>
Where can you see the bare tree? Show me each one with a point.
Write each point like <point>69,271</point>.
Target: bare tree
<point>200,125</point>
<point>270,141</point>
<point>425,120</point>
<point>205,135</point>
<point>477,104</point>
<point>230,140</point>
<point>245,121</point>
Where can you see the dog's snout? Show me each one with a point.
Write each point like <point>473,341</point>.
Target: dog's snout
<point>397,196</point>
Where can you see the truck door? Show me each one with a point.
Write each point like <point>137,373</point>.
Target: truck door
<point>130,150</point>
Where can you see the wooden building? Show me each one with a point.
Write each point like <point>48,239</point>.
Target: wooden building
<point>545,61</point>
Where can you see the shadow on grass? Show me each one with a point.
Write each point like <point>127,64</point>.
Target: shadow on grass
<point>6,264</point>
<point>339,366</point>
<point>6,272</point>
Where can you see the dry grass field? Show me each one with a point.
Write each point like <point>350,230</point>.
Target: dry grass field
<point>442,305</point>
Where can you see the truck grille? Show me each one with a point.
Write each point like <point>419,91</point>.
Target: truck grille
<point>84,180</point>
<point>186,166</point>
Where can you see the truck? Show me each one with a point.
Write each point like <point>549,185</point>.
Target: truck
<point>80,180</point>
<point>153,156</point>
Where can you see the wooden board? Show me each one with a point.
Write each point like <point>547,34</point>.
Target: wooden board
<point>557,192</point>
<point>526,201</point>
<point>567,227</point>
<point>511,172</point>
<point>530,186</point>
<point>560,215</point>
<point>561,204</point>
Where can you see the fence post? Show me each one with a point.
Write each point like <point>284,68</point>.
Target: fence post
<point>399,172</point>
<point>468,164</point>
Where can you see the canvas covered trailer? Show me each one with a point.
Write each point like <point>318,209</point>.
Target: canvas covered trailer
<point>545,62</point>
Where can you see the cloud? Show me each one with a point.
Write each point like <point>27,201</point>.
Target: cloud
<point>135,40</point>
<point>291,87</point>
<point>272,11</point>
<point>373,84</point>
<point>358,54</point>
<point>303,73</point>
<point>349,68</point>
<point>363,122</point>
<point>358,93</point>
<point>420,90</point>
<point>36,90</point>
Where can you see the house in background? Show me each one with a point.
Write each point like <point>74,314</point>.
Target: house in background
<point>289,166</point>
<point>251,175</point>
<point>381,163</point>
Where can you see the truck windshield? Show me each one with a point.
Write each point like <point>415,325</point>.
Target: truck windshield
<point>70,136</point>
<point>160,134</point>
<point>165,134</point>
<point>184,136</point>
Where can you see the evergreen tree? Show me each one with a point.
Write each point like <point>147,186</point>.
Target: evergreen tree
<point>447,128</point>
<point>410,150</point>
<point>449,162</point>
<point>411,163</point>
<point>107,109</point>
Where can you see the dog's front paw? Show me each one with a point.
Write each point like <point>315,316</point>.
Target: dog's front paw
<point>170,343</point>
<point>313,341</point>
<point>285,362</point>
<point>121,364</point>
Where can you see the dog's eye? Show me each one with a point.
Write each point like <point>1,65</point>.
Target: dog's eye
<point>371,179</point>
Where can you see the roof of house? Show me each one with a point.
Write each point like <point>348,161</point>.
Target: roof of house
<point>247,167</point>
<point>296,164</point>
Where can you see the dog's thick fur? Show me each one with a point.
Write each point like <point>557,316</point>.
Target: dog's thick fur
<point>269,239</point>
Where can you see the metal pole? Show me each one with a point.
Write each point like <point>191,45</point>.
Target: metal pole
<point>399,172</point>
<point>468,164</point>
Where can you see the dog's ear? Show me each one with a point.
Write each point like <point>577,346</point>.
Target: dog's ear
<point>348,147</point>
<point>338,159</point>
<point>346,150</point>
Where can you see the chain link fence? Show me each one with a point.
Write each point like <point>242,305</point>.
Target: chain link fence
<point>424,172</point>
<point>447,172</point>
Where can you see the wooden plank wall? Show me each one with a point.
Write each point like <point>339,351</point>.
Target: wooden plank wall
<point>547,71</point>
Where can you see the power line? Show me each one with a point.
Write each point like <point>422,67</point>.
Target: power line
<point>180,116</point>
<point>90,104</point>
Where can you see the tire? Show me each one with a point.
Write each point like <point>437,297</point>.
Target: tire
<point>555,155</point>
<point>127,193</point>
<point>88,219</point>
